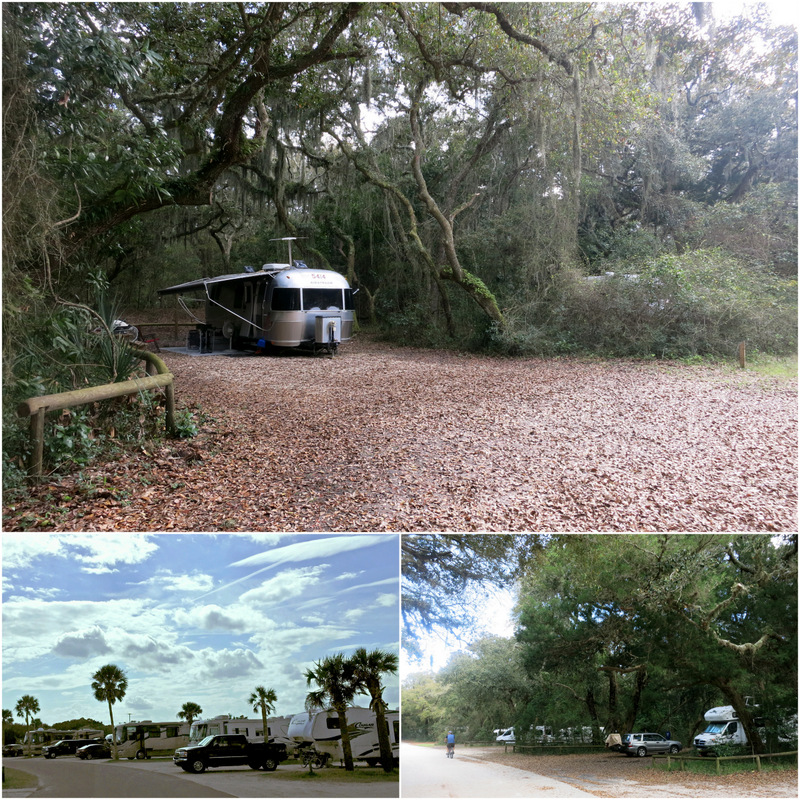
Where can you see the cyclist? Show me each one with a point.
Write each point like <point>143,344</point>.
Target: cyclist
<point>451,743</point>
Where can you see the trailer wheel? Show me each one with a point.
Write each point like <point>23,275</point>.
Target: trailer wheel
<point>198,765</point>
<point>270,764</point>
<point>140,754</point>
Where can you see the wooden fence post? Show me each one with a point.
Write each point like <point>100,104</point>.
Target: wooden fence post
<point>742,350</point>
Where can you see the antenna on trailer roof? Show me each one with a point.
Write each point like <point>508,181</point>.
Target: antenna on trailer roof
<point>288,239</point>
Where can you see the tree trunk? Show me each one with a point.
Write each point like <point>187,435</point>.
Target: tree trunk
<point>347,750</point>
<point>113,732</point>
<point>737,700</point>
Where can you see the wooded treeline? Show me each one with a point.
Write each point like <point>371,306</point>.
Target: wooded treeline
<point>621,633</point>
<point>466,165</point>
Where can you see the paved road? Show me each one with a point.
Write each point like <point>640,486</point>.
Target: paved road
<point>71,777</point>
<point>426,772</point>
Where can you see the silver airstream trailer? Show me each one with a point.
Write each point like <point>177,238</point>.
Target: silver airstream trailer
<point>281,305</point>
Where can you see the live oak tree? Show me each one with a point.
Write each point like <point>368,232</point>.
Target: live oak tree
<point>619,632</point>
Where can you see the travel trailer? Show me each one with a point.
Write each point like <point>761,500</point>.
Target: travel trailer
<point>147,738</point>
<point>320,730</point>
<point>277,729</point>
<point>280,305</point>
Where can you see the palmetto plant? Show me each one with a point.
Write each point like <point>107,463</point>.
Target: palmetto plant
<point>338,683</point>
<point>110,683</point>
<point>26,707</point>
<point>190,711</point>
<point>263,700</point>
<point>369,668</point>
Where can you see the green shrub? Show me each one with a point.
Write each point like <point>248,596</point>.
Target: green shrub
<point>677,306</point>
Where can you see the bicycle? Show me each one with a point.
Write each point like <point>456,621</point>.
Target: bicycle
<point>450,749</point>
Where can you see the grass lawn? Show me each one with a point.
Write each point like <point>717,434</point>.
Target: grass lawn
<point>340,775</point>
<point>15,779</point>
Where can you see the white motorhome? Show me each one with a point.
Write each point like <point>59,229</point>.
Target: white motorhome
<point>253,729</point>
<point>723,727</point>
<point>506,735</point>
<point>542,733</point>
<point>320,730</point>
<point>147,738</point>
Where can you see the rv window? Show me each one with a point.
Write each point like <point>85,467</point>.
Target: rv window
<point>348,300</point>
<point>322,298</point>
<point>333,723</point>
<point>285,299</point>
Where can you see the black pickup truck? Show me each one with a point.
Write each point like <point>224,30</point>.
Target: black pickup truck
<point>229,750</point>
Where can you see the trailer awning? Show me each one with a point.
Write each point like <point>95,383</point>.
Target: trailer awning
<point>201,284</point>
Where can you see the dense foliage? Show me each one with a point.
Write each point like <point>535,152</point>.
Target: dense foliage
<point>467,165</point>
<point>623,633</point>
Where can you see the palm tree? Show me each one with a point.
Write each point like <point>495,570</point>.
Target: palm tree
<point>338,685</point>
<point>8,719</point>
<point>26,706</point>
<point>368,668</point>
<point>110,683</point>
<point>263,700</point>
<point>190,711</point>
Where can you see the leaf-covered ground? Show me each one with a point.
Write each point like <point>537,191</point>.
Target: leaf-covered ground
<point>382,438</point>
<point>606,774</point>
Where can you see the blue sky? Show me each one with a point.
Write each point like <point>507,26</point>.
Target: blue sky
<point>202,617</point>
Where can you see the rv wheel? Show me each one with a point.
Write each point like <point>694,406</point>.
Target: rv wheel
<point>140,754</point>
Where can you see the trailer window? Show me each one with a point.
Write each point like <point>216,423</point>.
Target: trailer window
<point>285,299</point>
<point>333,723</point>
<point>322,298</point>
<point>348,300</point>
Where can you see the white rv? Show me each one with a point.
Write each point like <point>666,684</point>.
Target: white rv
<point>253,729</point>
<point>722,728</point>
<point>506,735</point>
<point>146,738</point>
<point>320,730</point>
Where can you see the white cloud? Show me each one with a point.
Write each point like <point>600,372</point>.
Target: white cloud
<point>312,549</point>
<point>215,618</point>
<point>82,643</point>
<point>284,586</point>
<point>387,600</point>
<point>170,581</point>
<point>98,554</point>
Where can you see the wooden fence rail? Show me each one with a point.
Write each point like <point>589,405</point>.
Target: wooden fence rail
<point>159,377</point>
<point>705,759</point>
<point>554,747</point>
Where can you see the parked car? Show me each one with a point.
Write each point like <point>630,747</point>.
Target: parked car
<point>12,750</point>
<point>97,750</point>
<point>66,747</point>
<point>645,744</point>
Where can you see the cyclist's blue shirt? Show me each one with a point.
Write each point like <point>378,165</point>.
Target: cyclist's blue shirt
<point>451,739</point>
